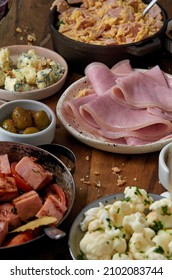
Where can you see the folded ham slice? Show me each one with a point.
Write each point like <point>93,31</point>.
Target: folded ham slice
<point>127,106</point>
<point>143,90</point>
<point>115,121</point>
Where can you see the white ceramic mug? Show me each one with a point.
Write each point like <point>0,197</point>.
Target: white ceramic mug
<point>163,170</point>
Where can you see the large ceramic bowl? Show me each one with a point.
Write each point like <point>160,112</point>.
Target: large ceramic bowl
<point>45,136</point>
<point>79,55</point>
<point>76,234</point>
<point>62,176</point>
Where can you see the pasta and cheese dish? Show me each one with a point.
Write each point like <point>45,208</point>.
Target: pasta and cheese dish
<point>107,22</point>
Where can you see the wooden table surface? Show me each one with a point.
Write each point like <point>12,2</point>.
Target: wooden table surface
<point>141,170</point>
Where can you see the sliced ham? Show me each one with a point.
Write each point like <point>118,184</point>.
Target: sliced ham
<point>27,205</point>
<point>142,90</point>
<point>33,173</point>
<point>100,76</point>
<point>53,208</point>
<point>128,106</point>
<point>112,118</point>
<point>4,164</point>
<point>9,213</point>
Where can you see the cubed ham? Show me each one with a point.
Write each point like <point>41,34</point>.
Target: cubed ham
<point>52,207</point>
<point>8,189</point>
<point>33,173</point>
<point>8,213</point>
<point>3,230</point>
<point>4,164</point>
<point>27,205</point>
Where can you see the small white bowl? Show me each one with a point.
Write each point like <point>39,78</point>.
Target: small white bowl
<point>163,170</point>
<point>45,136</point>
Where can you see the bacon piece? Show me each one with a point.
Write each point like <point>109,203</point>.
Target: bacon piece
<point>33,173</point>
<point>8,189</point>
<point>27,205</point>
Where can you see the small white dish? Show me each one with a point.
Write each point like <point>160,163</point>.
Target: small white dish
<point>36,94</point>
<point>86,136</point>
<point>163,170</point>
<point>42,137</point>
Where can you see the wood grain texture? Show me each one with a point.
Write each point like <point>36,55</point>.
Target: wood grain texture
<point>94,176</point>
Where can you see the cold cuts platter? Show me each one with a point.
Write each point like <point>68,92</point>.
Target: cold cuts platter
<point>89,133</point>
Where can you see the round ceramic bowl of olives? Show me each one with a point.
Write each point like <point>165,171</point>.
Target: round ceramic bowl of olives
<point>27,121</point>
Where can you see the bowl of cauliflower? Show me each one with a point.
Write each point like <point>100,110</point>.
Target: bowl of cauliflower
<point>30,72</point>
<point>133,225</point>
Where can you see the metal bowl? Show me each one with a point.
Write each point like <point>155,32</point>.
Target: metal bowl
<point>61,174</point>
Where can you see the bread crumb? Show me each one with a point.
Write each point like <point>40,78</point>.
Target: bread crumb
<point>84,181</point>
<point>97,173</point>
<point>18,30</point>
<point>31,38</point>
<point>87,158</point>
<point>116,170</point>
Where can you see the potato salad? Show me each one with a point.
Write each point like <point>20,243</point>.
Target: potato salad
<point>30,71</point>
<point>135,228</point>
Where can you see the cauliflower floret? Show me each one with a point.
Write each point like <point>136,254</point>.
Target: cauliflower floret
<point>134,223</point>
<point>163,241</point>
<point>5,60</point>
<point>154,254</point>
<point>118,210</point>
<point>162,210</point>
<point>140,243</point>
<point>90,215</point>
<point>138,199</point>
<point>122,256</point>
<point>105,246</point>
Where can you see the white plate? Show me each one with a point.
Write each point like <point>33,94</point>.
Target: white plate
<point>85,136</point>
<point>76,234</point>
<point>36,94</point>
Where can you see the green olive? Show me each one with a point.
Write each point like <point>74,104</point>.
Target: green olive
<point>22,118</point>
<point>41,119</point>
<point>9,125</point>
<point>30,130</point>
